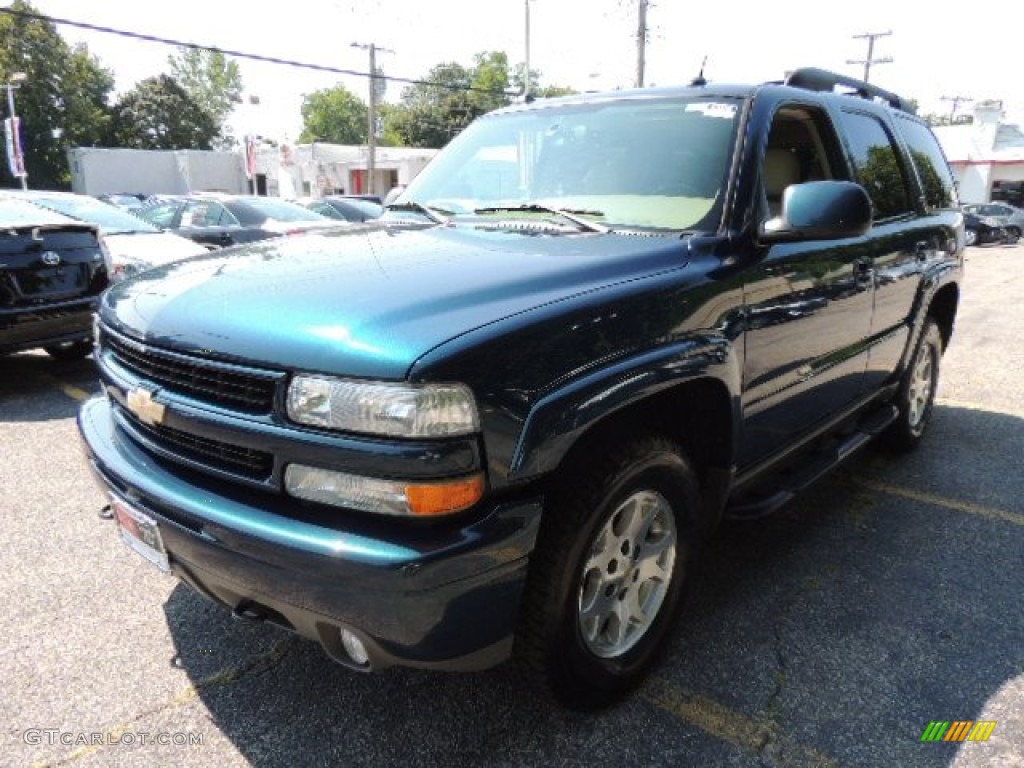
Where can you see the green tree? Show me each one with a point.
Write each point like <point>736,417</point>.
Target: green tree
<point>212,80</point>
<point>491,81</point>
<point>335,115</point>
<point>432,112</point>
<point>63,101</point>
<point>159,114</point>
<point>436,110</point>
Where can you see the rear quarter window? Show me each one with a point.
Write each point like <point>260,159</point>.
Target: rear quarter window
<point>936,179</point>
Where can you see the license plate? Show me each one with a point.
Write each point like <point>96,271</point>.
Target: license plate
<point>140,532</point>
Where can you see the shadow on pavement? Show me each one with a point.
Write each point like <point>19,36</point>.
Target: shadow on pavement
<point>31,387</point>
<point>840,627</point>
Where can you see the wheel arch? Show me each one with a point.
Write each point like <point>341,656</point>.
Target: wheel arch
<point>700,412</point>
<point>943,308</point>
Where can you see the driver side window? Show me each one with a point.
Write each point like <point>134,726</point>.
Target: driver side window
<point>802,146</point>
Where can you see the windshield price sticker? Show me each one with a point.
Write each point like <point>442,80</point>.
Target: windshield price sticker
<point>713,109</point>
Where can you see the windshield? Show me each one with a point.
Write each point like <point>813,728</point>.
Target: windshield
<point>269,208</point>
<point>113,221</point>
<point>640,163</point>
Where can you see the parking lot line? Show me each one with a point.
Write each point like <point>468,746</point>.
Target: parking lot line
<point>753,734</point>
<point>991,513</point>
<point>73,392</point>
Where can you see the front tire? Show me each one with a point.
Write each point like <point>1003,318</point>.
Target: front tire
<point>916,397</point>
<point>970,237</point>
<point>614,559</point>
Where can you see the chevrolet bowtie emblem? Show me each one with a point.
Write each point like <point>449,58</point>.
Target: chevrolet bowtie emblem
<point>140,402</point>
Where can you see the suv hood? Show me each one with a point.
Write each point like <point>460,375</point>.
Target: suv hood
<point>368,301</point>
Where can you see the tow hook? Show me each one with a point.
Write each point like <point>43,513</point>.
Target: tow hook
<point>106,513</point>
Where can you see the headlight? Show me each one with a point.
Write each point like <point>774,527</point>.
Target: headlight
<point>375,408</point>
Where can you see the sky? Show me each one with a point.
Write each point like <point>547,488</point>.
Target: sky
<point>584,44</point>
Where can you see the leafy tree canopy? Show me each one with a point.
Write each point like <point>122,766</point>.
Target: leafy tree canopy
<point>212,80</point>
<point>452,96</point>
<point>62,102</point>
<point>334,115</point>
<point>159,114</point>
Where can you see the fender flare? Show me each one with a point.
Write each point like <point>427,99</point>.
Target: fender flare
<point>559,418</point>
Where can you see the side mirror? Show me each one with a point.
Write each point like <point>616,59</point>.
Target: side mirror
<point>820,210</point>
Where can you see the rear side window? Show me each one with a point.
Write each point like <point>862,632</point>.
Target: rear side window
<point>932,169</point>
<point>877,164</point>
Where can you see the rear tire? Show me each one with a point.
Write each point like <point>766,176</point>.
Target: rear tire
<point>614,558</point>
<point>917,392</point>
<point>70,350</point>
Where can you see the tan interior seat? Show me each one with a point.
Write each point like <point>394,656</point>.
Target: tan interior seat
<point>781,168</point>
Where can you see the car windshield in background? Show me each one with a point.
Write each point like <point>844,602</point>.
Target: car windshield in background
<point>263,208</point>
<point>647,163</point>
<point>18,213</point>
<point>111,220</point>
<point>366,207</point>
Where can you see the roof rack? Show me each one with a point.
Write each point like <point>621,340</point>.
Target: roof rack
<point>814,79</point>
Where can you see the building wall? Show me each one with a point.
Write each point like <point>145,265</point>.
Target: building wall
<point>97,171</point>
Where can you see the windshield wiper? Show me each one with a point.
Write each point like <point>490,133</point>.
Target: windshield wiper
<point>434,214</point>
<point>571,214</point>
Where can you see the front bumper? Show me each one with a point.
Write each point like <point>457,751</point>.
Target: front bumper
<point>443,597</point>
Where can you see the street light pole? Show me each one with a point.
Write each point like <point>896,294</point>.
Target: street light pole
<point>19,160</point>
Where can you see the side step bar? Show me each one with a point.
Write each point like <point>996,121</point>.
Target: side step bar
<point>803,473</point>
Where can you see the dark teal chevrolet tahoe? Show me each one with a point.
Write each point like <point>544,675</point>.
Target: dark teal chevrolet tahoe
<point>502,420</point>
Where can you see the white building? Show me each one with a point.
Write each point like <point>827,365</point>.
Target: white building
<point>318,169</point>
<point>98,171</point>
<point>987,156</point>
<point>307,170</point>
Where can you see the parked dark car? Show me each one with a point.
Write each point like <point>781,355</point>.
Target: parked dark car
<point>52,270</point>
<point>980,230</point>
<point>126,201</point>
<point>218,221</point>
<point>1008,216</point>
<point>355,209</point>
<point>504,418</point>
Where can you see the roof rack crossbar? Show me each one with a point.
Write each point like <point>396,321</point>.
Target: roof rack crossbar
<point>814,79</point>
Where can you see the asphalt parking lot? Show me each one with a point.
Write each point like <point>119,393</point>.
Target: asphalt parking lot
<point>831,634</point>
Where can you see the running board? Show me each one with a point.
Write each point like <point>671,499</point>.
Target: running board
<point>812,467</point>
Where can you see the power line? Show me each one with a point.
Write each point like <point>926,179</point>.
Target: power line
<point>867,62</point>
<point>242,54</point>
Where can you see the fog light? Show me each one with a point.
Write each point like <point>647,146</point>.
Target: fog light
<point>354,647</point>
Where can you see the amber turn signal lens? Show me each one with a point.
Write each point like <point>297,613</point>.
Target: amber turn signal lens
<point>444,498</point>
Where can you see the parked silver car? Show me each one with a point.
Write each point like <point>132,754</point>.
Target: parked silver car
<point>1009,217</point>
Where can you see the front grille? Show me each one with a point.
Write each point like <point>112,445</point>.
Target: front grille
<point>205,380</point>
<point>235,459</point>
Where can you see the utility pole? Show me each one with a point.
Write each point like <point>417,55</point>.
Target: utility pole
<point>641,41</point>
<point>956,103</point>
<point>867,62</point>
<point>376,91</point>
<point>526,69</point>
